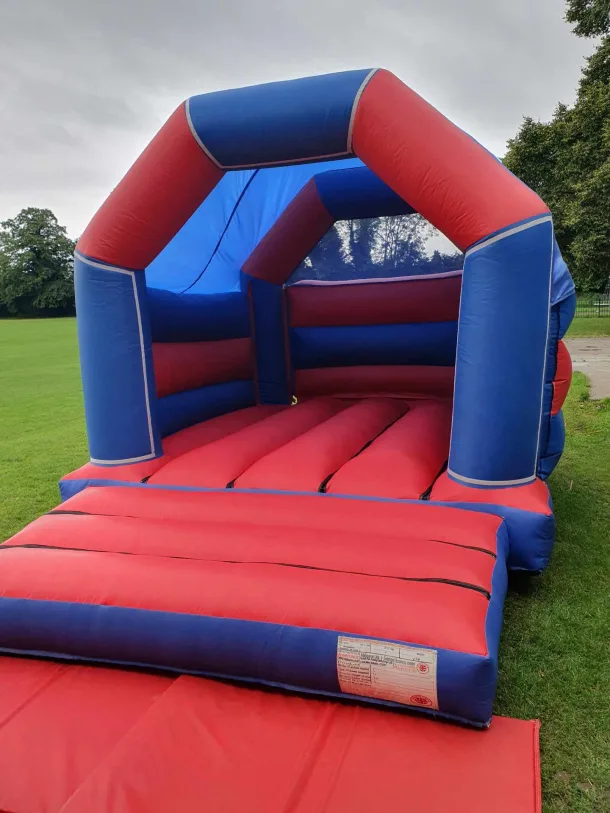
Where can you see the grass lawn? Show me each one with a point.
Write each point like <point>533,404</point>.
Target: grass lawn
<point>41,416</point>
<point>555,659</point>
<point>589,326</point>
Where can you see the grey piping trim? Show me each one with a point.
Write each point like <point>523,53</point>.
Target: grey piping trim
<point>516,230</point>
<point>103,266</point>
<point>474,481</point>
<point>509,233</point>
<point>350,129</point>
<point>546,345</point>
<point>288,162</point>
<point>374,280</point>
<point>124,460</point>
<point>151,434</point>
<point>455,366</point>
<point>187,110</point>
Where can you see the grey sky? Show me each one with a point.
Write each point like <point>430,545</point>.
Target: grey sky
<point>84,84</point>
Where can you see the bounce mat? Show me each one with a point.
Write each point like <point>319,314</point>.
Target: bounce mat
<point>84,739</point>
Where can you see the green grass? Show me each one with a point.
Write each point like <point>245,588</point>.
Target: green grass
<point>555,651</point>
<point>41,416</point>
<point>555,658</point>
<point>589,326</point>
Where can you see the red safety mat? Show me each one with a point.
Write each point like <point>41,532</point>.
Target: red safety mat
<point>81,739</point>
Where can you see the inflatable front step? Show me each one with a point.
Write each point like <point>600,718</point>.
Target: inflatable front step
<point>390,602</point>
<point>82,739</point>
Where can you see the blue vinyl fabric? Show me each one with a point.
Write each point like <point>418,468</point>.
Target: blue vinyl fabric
<point>549,454</point>
<point>116,364</point>
<point>501,356</point>
<point>272,374</point>
<point>197,317</point>
<point>426,343</point>
<point>279,122</point>
<point>296,658</point>
<point>358,193</point>
<point>226,228</point>
<point>193,406</point>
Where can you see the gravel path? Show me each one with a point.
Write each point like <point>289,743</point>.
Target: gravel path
<point>592,357</point>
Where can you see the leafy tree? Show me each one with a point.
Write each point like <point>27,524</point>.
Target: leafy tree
<point>567,161</point>
<point>591,17</point>
<point>36,265</point>
<point>440,263</point>
<point>375,247</point>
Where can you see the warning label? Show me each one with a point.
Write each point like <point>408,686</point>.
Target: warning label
<point>387,671</point>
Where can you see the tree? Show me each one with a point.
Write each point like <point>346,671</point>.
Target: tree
<point>400,243</point>
<point>567,162</point>
<point>367,248</point>
<point>440,263</point>
<point>36,265</point>
<point>591,17</point>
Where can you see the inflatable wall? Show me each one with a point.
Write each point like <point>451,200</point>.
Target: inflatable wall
<point>320,483</point>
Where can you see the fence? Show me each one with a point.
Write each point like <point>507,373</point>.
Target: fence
<point>593,305</point>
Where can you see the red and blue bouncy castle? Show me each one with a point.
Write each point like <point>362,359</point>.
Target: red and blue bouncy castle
<point>315,485</point>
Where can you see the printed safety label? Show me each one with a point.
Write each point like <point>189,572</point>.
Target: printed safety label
<point>405,674</point>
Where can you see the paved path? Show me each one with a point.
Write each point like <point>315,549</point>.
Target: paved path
<point>592,357</point>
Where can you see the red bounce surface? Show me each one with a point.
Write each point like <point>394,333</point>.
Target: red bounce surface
<point>80,739</point>
<point>309,446</point>
<point>426,570</point>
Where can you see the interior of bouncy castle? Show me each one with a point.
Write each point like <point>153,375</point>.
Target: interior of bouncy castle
<point>318,445</point>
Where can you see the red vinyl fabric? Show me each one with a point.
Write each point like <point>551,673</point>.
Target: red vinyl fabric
<point>178,444</point>
<point>563,377</point>
<point>375,303</point>
<point>220,463</point>
<point>181,366</point>
<point>156,197</point>
<point>79,739</point>
<point>305,447</point>
<point>404,461</point>
<point>297,230</point>
<point>439,169</point>
<point>532,497</point>
<point>261,557</point>
<point>380,380</point>
<point>305,463</point>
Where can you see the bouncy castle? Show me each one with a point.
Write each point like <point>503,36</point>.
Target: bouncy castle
<point>314,483</point>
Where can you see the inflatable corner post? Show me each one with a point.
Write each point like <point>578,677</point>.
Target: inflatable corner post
<point>356,543</point>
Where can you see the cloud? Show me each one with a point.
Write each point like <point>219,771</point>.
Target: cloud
<point>85,84</point>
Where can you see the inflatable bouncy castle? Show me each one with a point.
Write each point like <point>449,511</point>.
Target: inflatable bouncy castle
<point>307,478</point>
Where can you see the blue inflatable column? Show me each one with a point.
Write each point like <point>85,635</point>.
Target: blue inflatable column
<point>116,363</point>
<point>501,356</point>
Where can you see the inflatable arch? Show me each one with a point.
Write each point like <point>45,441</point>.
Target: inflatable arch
<point>502,226</point>
<point>396,491</point>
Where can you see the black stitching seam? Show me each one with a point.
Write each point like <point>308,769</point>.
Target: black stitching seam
<point>426,494</point>
<point>61,511</point>
<point>224,231</point>
<point>453,582</point>
<point>326,481</point>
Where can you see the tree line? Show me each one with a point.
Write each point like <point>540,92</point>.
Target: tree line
<point>376,247</point>
<point>567,160</point>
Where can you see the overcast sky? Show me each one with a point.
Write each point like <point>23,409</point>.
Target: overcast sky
<point>84,84</point>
